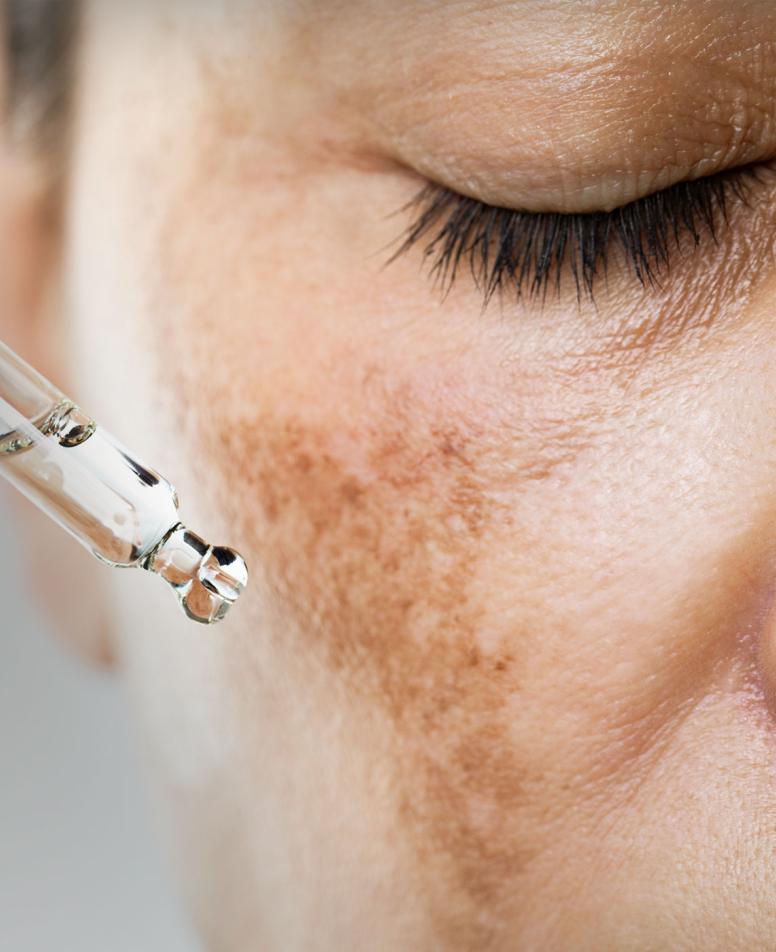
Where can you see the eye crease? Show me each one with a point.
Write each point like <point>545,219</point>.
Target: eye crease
<point>528,253</point>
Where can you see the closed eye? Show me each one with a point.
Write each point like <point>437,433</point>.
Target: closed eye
<point>528,253</point>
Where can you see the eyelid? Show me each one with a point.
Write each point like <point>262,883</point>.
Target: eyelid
<point>529,251</point>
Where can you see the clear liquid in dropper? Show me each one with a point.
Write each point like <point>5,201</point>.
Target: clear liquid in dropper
<point>123,511</point>
<point>90,485</point>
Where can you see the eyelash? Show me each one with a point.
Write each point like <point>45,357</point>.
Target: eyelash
<point>528,252</point>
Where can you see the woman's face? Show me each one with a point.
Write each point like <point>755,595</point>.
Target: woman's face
<point>502,675</point>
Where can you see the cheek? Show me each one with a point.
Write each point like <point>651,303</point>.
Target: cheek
<point>372,470</point>
<point>374,536</point>
<point>461,541</point>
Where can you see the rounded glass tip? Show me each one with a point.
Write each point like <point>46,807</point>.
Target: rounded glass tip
<point>207,579</point>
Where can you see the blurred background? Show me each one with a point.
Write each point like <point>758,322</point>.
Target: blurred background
<point>79,865</point>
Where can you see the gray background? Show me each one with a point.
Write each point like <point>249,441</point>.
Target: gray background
<point>79,867</point>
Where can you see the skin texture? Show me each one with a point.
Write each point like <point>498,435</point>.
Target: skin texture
<point>503,678</point>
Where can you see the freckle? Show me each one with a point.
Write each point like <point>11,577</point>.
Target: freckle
<point>303,463</point>
<point>351,491</point>
<point>448,449</point>
<point>271,509</point>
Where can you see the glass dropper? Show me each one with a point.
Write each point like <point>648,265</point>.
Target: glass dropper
<point>121,510</point>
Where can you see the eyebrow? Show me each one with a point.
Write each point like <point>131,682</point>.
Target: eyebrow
<point>560,106</point>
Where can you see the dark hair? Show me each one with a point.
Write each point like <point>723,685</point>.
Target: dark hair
<point>40,39</point>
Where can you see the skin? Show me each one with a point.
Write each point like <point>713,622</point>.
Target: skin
<point>504,675</point>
